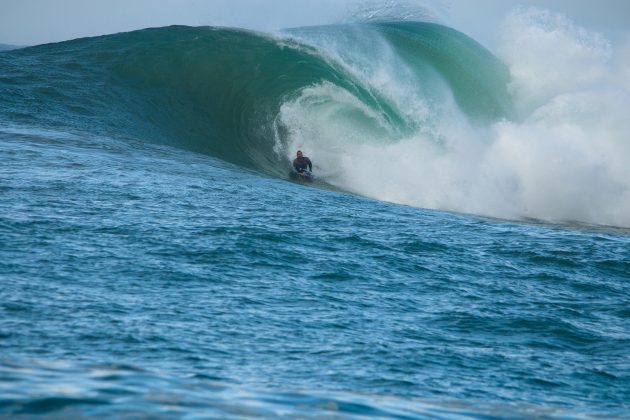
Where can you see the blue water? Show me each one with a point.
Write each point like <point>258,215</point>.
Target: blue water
<point>147,279</point>
<point>141,278</point>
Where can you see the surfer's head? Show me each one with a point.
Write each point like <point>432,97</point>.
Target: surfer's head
<point>299,153</point>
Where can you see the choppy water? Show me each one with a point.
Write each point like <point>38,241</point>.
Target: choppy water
<point>151,266</point>
<point>147,279</point>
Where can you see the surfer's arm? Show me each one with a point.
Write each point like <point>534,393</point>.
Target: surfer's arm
<point>310,165</point>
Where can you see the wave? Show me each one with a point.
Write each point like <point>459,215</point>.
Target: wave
<point>220,90</point>
<point>409,112</point>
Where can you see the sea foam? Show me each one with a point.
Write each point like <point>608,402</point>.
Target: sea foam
<point>563,156</point>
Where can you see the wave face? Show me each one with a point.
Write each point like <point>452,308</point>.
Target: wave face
<point>409,112</point>
<point>221,90</point>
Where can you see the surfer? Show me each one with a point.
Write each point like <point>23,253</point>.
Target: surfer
<point>301,163</point>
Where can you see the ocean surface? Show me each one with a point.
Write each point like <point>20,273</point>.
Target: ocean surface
<point>462,253</point>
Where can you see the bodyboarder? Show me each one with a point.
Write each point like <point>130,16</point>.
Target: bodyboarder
<point>303,166</point>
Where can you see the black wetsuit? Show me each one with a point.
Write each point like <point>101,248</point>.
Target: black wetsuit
<point>300,164</point>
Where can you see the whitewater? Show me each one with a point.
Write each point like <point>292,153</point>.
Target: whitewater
<point>464,252</point>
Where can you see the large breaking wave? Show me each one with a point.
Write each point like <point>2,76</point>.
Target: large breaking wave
<point>409,112</point>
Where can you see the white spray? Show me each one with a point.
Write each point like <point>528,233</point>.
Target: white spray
<point>566,159</point>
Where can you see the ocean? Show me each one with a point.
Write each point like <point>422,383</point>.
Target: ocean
<point>464,251</point>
